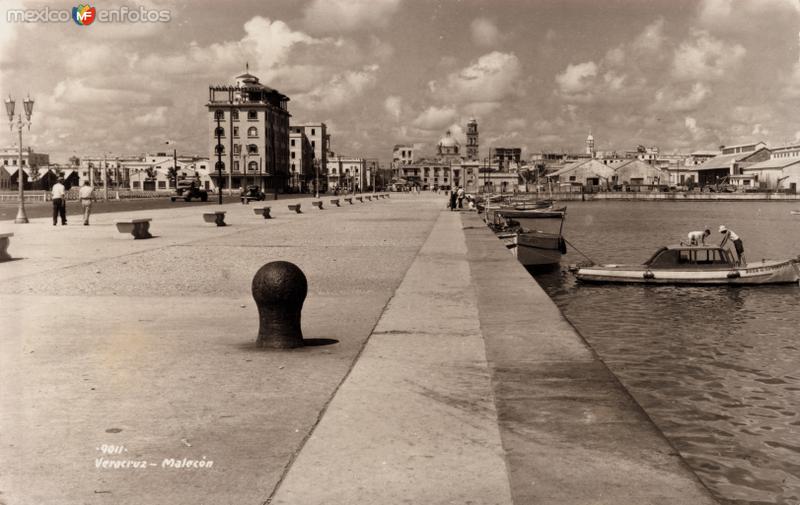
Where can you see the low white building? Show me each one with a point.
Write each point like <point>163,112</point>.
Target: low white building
<point>771,175</point>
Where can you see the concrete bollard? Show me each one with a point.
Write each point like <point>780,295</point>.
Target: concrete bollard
<point>279,289</point>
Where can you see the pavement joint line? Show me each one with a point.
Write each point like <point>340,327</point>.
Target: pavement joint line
<point>353,363</point>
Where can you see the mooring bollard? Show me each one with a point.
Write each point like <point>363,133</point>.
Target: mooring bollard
<point>279,289</point>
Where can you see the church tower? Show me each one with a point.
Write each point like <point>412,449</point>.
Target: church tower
<point>472,139</point>
<point>590,144</point>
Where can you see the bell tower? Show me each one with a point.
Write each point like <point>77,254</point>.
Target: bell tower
<point>472,139</point>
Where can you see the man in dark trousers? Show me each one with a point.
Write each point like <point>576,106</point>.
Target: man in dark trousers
<point>737,242</point>
<point>59,202</point>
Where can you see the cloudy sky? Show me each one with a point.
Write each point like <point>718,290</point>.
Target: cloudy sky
<point>537,74</point>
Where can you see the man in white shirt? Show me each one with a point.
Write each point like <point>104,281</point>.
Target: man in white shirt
<point>59,202</point>
<point>737,242</point>
<point>698,237</point>
<point>86,195</point>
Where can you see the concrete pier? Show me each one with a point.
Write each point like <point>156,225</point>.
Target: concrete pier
<point>454,380</point>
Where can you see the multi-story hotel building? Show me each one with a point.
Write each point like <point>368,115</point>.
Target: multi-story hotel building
<point>249,134</point>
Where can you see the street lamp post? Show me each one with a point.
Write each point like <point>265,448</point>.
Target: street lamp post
<point>316,178</point>
<point>28,105</point>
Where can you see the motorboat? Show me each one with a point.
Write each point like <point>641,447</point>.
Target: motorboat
<point>538,246</point>
<point>700,265</point>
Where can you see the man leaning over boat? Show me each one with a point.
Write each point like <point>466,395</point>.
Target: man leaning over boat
<point>737,242</point>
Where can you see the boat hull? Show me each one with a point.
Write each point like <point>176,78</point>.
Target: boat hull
<point>767,272</point>
<point>538,249</point>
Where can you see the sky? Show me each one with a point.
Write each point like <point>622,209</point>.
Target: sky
<point>681,75</point>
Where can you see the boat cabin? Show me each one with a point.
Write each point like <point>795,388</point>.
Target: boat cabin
<point>680,256</point>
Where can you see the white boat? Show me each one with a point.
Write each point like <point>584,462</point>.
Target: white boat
<point>795,212</point>
<point>700,265</point>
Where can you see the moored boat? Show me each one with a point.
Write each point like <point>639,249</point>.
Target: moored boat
<point>700,265</point>
<point>795,212</point>
<point>537,248</point>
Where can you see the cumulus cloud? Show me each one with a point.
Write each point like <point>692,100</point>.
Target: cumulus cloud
<point>652,37</point>
<point>577,78</point>
<point>705,57</point>
<point>435,118</point>
<point>492,78</point>
<point>341,89</point>
<point>484,32</point>
<point>348,15</point>
<point>394,106</point>
<point>669,98</point>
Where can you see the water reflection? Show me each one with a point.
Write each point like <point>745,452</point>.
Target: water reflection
<point>718,369</point>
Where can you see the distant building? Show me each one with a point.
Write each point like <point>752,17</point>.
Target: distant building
<point>347,173</point>
<point>320,141</point>
<point>251,121</point>
<point>743,148</point>
<point>403,154</point>
<point>775,174</point>
<point>9,157</point>
<point>301,160</point>
<point>506,157</point>
<point>448,149</point>
<point>788,151</point>
<point>718,168</point>
<point>472,140</point>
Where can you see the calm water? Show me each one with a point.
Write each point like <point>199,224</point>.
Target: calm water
<point>718,369</point>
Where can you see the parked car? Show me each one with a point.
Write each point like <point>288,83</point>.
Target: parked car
<point>252,192</point>
<point>187,190</point>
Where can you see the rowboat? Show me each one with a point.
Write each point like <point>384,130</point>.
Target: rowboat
<point>542,245</point>
<point>700,265</point>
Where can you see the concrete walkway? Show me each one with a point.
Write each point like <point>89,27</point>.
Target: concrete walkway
<point>454,380</point>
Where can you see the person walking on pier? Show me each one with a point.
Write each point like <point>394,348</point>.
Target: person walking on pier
<point>737,242</point>
<point>59,202</point>
<point>452,200</point>
<point>460,195</point>
<point>86,195</point>
<point>698,237</point>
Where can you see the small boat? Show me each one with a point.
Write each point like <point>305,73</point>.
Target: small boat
<point>700,265</point>
<point>795,212</point>
<point>539,247</point>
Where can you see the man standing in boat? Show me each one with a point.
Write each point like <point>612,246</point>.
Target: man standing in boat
<point>737,242</point>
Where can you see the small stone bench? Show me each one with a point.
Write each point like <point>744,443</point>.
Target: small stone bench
<point>335,201</point>
<point>382,196</point>
<point>369,198</point>
<point>295,207</point>
<point>264,211</point>
<point>360,199</point>
<point>139,228</point>
<point>217,217</point>
<point>5,240</point>
<point>318,204</point>
<point>349,200</point>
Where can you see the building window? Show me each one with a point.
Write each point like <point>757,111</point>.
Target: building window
<point>313,131</point>
<point>237,149</point>
<point>292,142</point>
<point>236,131</point>
<point>252,115</point>
<point>293,153</point>
<point>219,149</point>
<point>135,184</point>
<point>162,184</point>
<point>313,144</point>
<point>293,167</point>
<point>220,165</point>
<point>235,115</point>
<point>252,131</point>
<point>252,166</point>
<point>252,149</point>
<point>218,114</point>
<point>236,166</point>
<point>219,131</point>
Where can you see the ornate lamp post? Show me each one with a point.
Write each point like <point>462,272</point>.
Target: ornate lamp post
<point>28,104</point>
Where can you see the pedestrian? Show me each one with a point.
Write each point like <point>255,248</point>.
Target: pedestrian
<point>59,202</point>
<point>460,196</point>
<point>698,237</point>
<point>452,200</point>
<point>86,194</point>
<point>737,242</point>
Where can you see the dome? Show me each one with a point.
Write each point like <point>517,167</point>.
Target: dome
<point>448,141</point>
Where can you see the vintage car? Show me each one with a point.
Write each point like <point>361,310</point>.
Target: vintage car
<point>186,190</point>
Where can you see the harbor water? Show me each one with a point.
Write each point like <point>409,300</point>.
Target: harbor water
<point>716,368</point>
